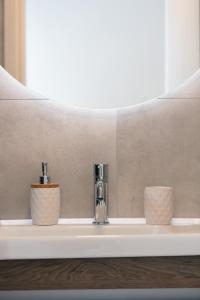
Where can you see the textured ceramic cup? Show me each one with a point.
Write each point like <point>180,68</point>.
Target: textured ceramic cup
<point>45,204</point>
<point>158,205</point>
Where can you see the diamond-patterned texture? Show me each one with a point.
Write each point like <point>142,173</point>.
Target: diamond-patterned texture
<point>45,205</point>
<point>158,205</point>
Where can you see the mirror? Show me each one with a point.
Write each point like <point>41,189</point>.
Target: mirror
<point>109,53</point>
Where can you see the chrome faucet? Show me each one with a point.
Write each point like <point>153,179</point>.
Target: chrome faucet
<point>100,194</point>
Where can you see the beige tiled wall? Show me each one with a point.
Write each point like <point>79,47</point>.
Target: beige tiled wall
<point>155,143</point>
<point>158,144</point>
<point>71,141</point>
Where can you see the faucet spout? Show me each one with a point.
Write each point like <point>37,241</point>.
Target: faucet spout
<point>100,194</point>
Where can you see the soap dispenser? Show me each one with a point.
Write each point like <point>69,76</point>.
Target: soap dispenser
<point>45,200</point>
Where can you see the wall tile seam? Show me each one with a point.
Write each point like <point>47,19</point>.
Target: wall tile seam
<point>117,159</point>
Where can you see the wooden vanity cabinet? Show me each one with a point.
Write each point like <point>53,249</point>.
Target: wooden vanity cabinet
<point>100,273</point>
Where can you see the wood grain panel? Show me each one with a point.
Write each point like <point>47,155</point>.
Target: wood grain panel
<point>101,273</point>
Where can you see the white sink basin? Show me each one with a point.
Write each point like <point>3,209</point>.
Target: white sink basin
<point>81,241</point>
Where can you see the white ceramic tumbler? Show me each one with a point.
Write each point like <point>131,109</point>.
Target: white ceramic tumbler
<point>45,204</point>
<point>158,205</point>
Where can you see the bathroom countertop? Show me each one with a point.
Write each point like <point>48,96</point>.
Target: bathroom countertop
<point>91,241</point>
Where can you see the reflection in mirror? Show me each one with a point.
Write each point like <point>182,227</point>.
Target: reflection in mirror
<point>107,53</point>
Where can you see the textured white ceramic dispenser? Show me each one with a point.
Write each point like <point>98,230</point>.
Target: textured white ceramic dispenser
<point>45,200</point>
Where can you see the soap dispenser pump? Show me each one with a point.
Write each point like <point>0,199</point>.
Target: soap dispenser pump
<point>45,200</point>
<point>45,179</point>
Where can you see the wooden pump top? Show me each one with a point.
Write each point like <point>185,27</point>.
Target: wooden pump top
<point>44,186</point>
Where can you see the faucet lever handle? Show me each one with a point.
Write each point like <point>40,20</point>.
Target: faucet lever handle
<point>101,171</point>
